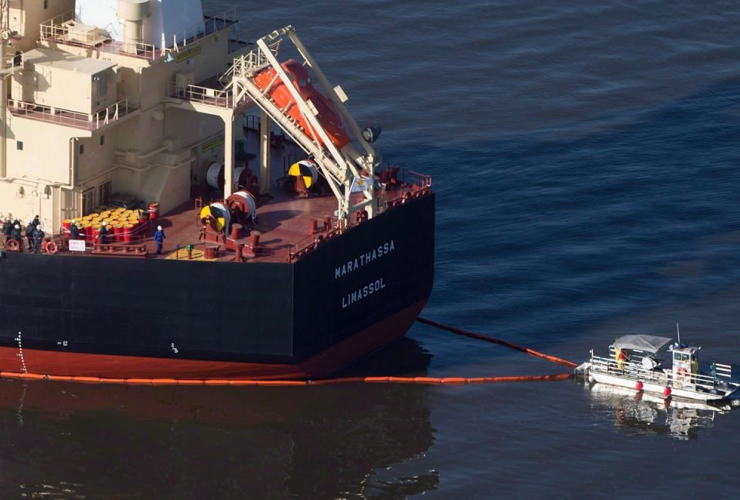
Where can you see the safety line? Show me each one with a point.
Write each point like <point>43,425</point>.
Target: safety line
<point>486,338</point>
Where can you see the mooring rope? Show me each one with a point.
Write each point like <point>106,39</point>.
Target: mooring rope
<point>331,381</point>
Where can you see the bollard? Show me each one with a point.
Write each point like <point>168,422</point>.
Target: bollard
<point>254,239</point>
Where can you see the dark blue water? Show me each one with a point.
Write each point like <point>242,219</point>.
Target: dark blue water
<point>586,160</point>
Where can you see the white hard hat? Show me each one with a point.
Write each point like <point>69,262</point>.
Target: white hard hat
<point>17,226</point>
<point>74,221</point>
<point>159,228</point>
<point>105,223</point>
<point>38,227</point>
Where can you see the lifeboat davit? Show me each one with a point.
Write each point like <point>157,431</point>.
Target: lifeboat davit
<point>327,116</point>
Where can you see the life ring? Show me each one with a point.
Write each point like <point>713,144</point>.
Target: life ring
<point>12,245</point>
<point>51,247</point>
<point>682,374</point>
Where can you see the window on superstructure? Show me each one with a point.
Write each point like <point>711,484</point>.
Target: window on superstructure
<point>102,140</point>
<point>46,4</point>
<point>82,149</point>
<point>19,145</point>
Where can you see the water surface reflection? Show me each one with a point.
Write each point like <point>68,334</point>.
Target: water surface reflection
<point>74,440</point>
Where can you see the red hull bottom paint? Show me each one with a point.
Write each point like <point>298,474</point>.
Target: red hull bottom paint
<point>125,367</point>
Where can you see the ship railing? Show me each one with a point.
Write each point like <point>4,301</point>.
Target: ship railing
<point>403,184</point>
<point>112,113</point>
<point>142,50</point>
<point>57,31</point>
<point>635,370</point>
<point>197,32</point>
<point>202,95</point>
<point>329,231</point>
<point>87,121</point>
<point>63,29</point>
<point>54,28</point>
<point>252,61</point>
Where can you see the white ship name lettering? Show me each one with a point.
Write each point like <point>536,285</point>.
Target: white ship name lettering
<point>366,258</point>
<point>363,293</point>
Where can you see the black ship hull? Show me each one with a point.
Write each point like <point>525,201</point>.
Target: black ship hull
<point>82,316</point>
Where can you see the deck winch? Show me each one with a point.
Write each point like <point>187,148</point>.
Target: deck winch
<point>304,175</point>
<point>239,208</point>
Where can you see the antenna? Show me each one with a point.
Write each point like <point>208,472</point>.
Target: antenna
<point>678,332</point>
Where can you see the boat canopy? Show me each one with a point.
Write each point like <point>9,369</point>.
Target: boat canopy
<point>646,343</point>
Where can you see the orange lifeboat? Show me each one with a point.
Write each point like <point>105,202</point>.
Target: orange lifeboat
<point>327,117</point>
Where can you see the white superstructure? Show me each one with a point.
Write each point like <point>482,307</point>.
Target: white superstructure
<point>130,96</point>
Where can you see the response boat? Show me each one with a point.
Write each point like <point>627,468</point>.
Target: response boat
<point>636,361</point>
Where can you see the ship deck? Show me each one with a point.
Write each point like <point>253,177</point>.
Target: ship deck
<point>289,225</point>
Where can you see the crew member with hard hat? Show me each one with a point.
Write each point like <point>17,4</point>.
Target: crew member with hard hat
<point>30,228</point>
<point>38,238</point>
<point>74,231</point>
<point>15,234</point>
<point>159,239</point>
<point>7,228</point>
<point>103,235</point>
<point>620,357</point>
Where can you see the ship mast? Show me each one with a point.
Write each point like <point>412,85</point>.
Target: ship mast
<point>5,71</point>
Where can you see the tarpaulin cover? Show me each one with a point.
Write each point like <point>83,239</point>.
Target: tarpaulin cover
<point>646,343</point>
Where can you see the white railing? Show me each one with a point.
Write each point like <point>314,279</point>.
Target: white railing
<point>203,95</point>
<point>58,30</point>
<point>88,121</point>
<point>195,33</point>
<point>636,371</point>
<point>111,113</point>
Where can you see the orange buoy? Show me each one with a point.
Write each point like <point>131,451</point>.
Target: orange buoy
<point>51,247</point>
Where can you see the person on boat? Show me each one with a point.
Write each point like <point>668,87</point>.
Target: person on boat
<point>159,238</point>
<point>620,356</point>
<point>74,231</point>
<point>103,234</point>
<point>38,238</point>
<point>30,228</point>
<point>713,373</point>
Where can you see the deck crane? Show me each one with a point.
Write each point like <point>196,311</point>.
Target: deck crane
<point>341,167</point>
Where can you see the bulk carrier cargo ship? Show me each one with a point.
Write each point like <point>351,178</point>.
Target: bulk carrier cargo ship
<point>123,117</point>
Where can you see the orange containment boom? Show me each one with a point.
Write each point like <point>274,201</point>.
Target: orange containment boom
<point>344,380</point>
<point>290,383</point>
<point>486,338</point>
